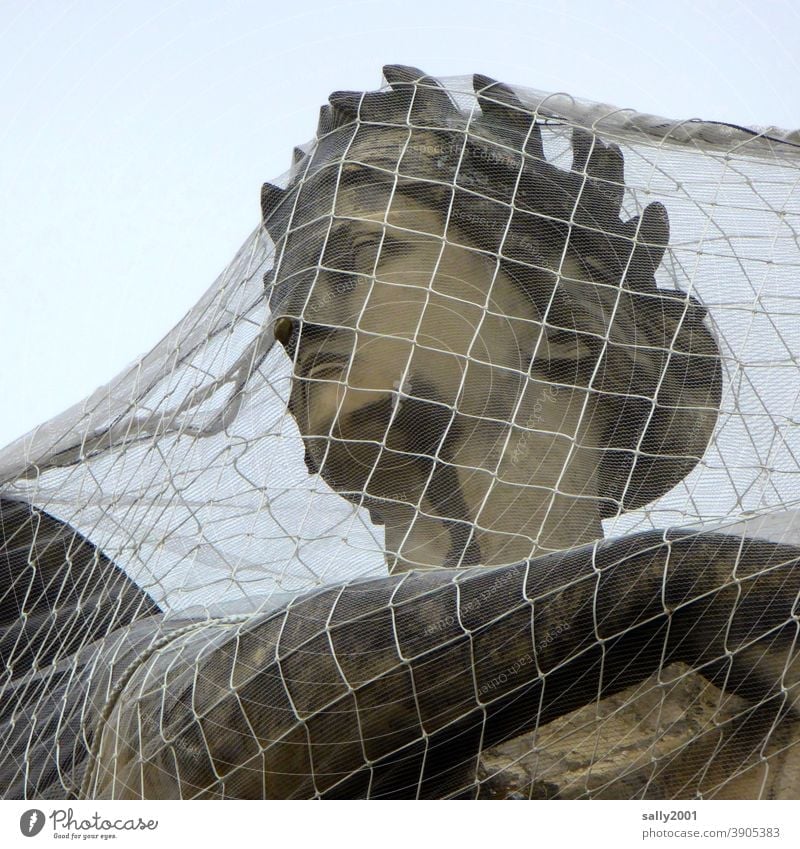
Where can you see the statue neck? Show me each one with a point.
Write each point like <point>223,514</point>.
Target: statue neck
<point>509,492</point>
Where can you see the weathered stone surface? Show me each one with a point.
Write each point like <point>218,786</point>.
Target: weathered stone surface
<point>675,738</point>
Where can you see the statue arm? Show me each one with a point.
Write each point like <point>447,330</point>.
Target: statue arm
<point>392,687</point>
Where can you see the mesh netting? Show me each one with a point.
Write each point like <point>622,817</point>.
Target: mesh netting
<point>474,474</point>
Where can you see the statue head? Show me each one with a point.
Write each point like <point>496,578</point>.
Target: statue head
<point>481,355</point>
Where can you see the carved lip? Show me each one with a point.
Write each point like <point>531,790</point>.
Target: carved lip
<point>323,367</point>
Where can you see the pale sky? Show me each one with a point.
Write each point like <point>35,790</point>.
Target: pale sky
<point>136,135</point>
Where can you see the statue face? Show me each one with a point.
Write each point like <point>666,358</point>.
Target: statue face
<point>418,393</point>
<point>482,356</point>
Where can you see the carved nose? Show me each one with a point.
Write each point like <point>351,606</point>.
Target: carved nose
<point>283,330</point>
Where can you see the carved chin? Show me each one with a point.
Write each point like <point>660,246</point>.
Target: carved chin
<point>364,458</point>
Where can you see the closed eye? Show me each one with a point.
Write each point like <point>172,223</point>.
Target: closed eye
<point>357,252</point>
<point>369,240</point>
<point>365,247</point>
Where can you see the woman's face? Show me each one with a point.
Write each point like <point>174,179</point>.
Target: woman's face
<point>414,391</point>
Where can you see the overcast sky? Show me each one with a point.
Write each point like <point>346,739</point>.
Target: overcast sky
<point>135,135</point>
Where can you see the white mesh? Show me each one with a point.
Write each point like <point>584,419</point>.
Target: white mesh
<point>539,379</point>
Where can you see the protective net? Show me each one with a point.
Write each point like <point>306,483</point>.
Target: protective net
<point>472,475</point>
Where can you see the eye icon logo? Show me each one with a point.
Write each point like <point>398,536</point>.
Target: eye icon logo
<point>31,822</point>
